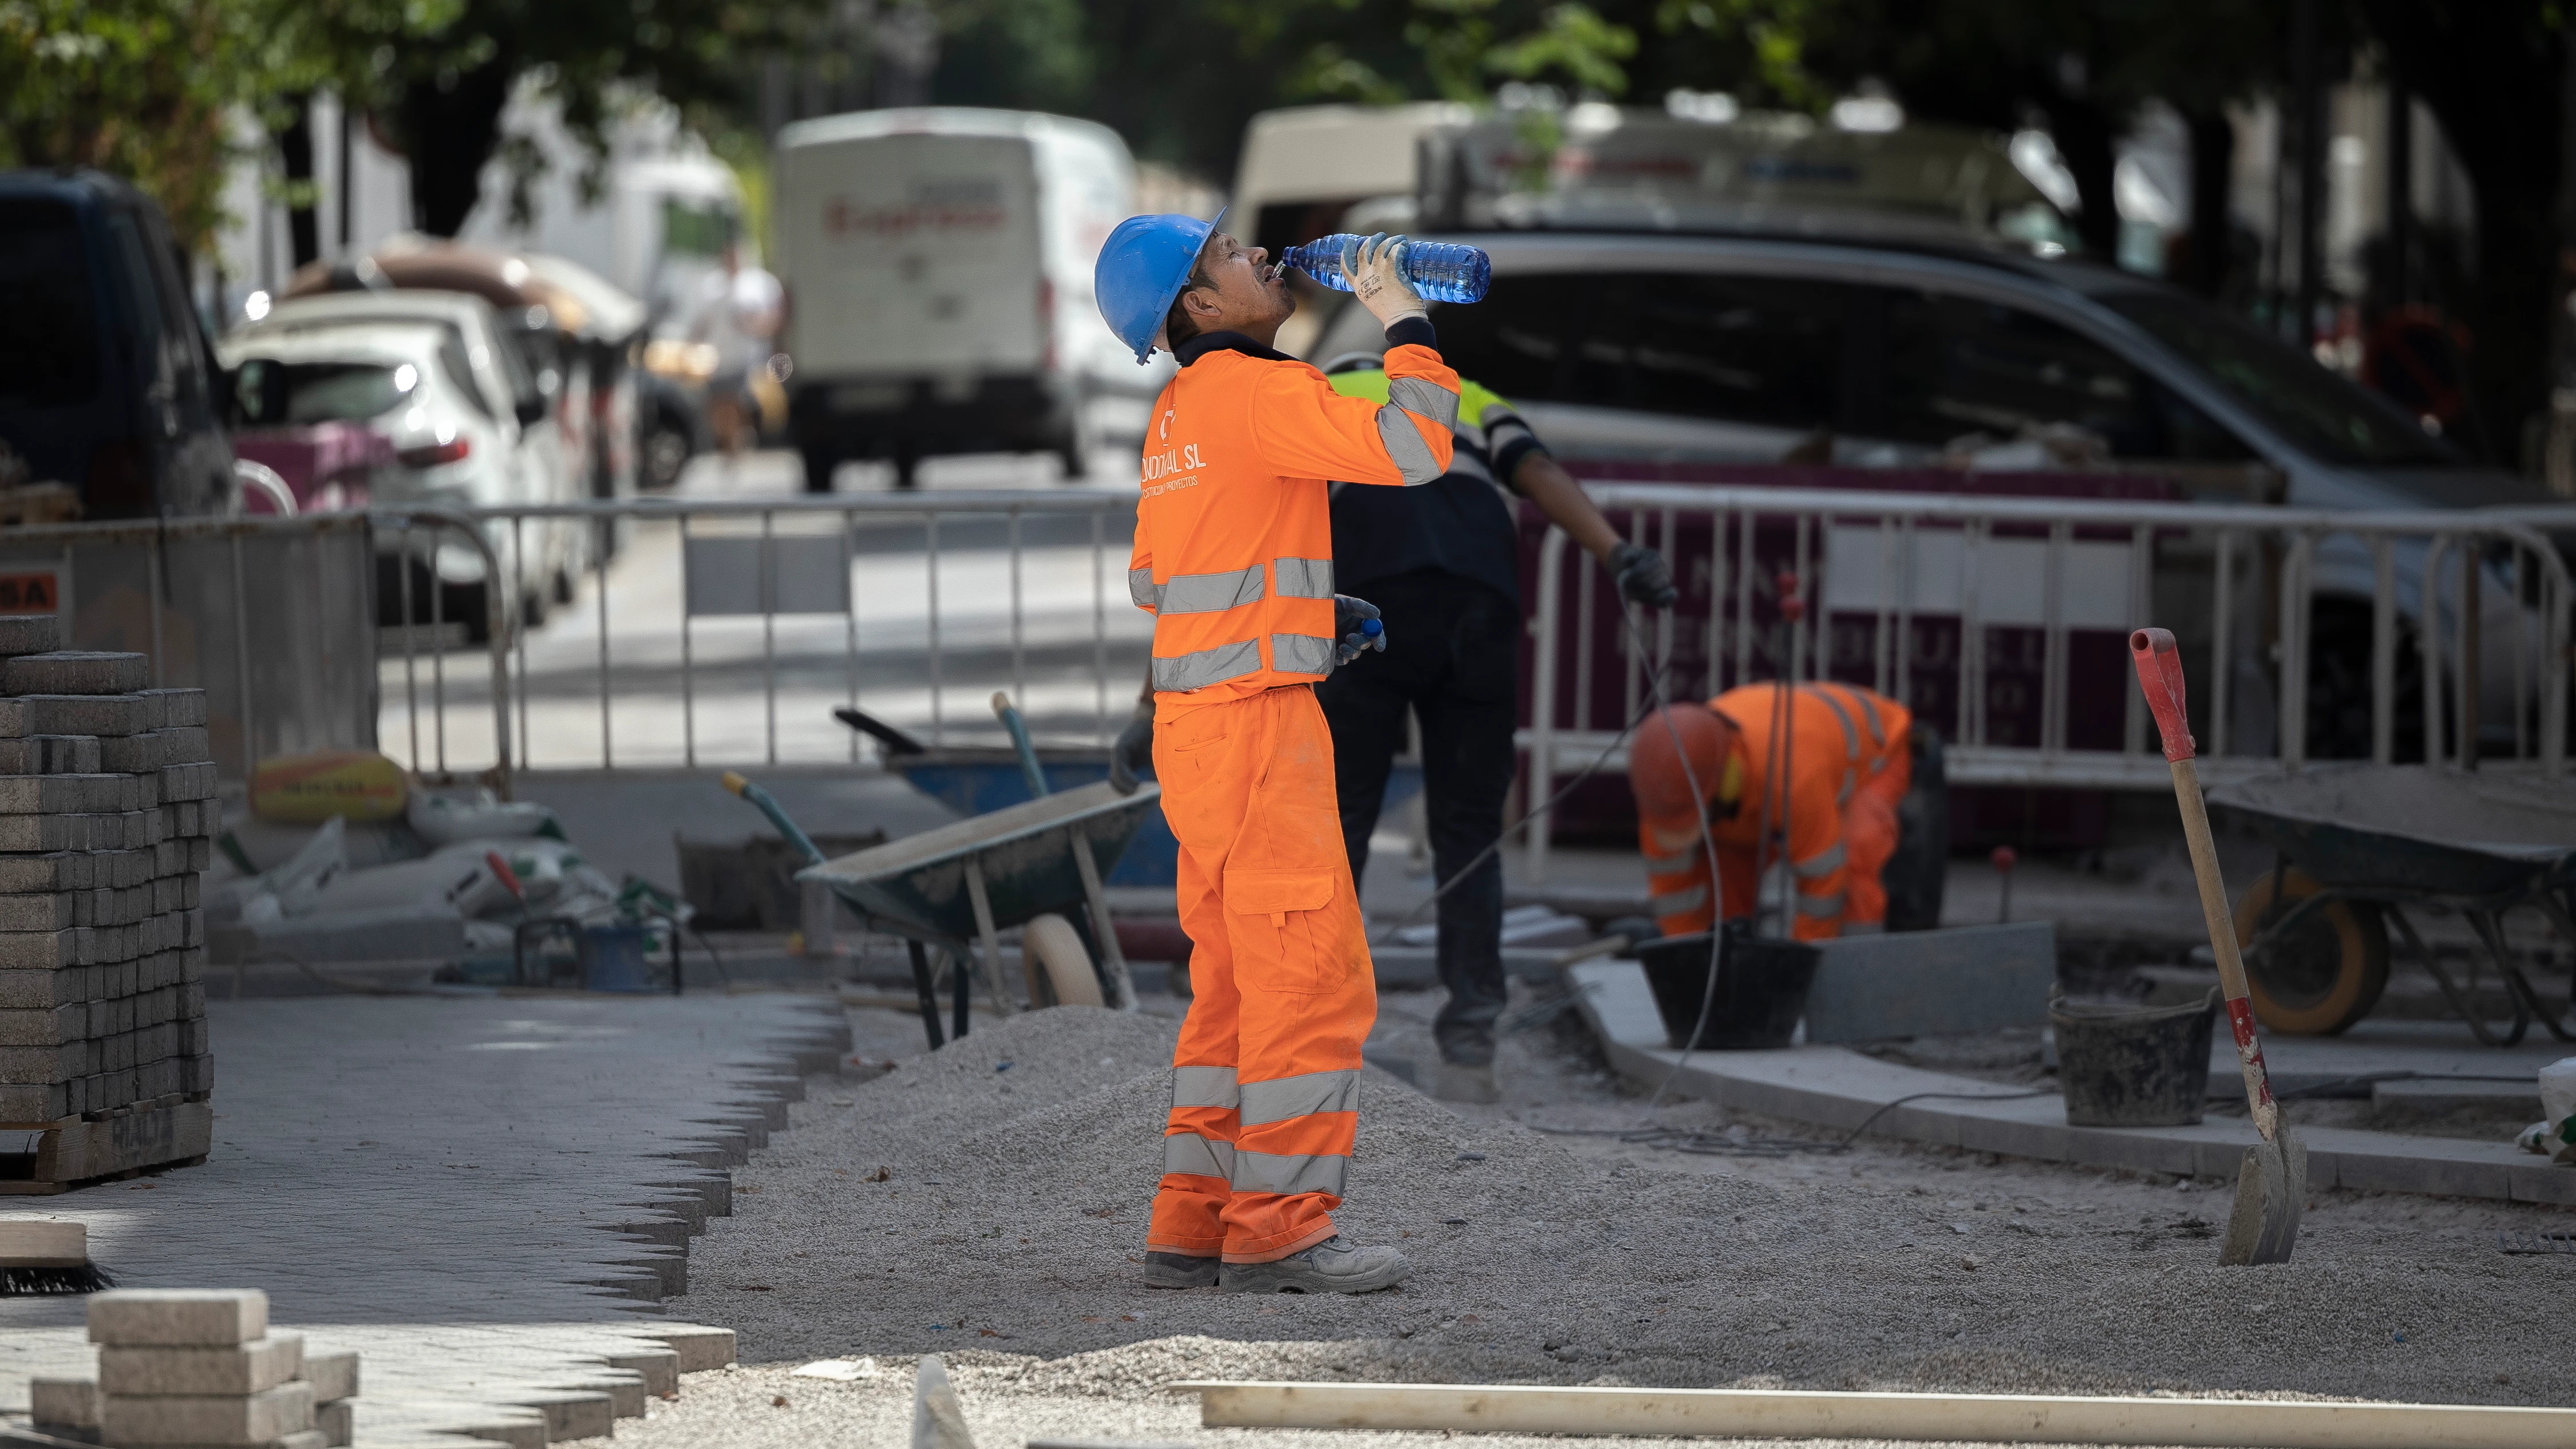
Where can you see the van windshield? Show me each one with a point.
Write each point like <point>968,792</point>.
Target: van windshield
<point>48,344</point>
<point>2313,409</point>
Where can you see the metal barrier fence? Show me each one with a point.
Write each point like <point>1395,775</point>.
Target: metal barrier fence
<point>724,630</point>
<point>270,616</point>
<point>2001,622</point>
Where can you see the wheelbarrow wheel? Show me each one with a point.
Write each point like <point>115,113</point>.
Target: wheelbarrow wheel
<point>2326,972</point>
<point>1059,968</point>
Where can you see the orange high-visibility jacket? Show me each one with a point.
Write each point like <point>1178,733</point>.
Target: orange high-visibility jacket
<point>1234,531</point>
<point>1838,739</point>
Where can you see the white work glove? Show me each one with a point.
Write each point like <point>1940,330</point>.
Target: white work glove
<point>1376,271</point>
<point>1355,622</point>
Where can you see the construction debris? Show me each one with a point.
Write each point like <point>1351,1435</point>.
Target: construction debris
<point>107,818</point>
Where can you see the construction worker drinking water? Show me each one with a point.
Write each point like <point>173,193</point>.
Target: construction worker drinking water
<point>1234,559</point>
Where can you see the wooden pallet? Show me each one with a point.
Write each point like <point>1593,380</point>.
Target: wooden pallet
<point>71,1152</point>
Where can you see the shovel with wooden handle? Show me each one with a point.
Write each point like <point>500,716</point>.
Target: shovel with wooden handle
<point>2272,1185</point>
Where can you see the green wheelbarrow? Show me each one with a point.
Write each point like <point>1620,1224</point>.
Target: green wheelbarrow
<point>971,880</point>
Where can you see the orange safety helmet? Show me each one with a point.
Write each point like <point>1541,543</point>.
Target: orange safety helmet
<point>1655,771</point>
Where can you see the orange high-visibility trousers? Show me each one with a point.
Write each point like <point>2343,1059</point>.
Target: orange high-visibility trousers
<point>1265,1091</point>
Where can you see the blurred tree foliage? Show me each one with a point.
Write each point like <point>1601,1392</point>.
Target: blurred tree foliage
<point>135,87</point>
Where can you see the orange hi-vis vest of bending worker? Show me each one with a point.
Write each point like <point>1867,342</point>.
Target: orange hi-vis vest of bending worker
<point>1234,528</point>
<point>1847,757</point>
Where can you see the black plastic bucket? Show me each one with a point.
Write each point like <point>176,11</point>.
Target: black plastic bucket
<point>2132,1066</point>
<point>1761,989</point>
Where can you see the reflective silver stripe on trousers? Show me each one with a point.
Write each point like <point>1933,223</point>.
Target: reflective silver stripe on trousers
<point>1656,862</point>
<point>1424,399</point>
<point>1831,905</point>
<point>1211,593</point>
<point>1142,588</point>
<point>1823,862</point>
<point>1281,1098</point>
<point>1208,666</point>
<point>1190,1153</point>
<point>1673,903</point>
<point>1300,654</point>
<point>1269,1172</point>
<point>1302,578</point>
<point>1203,1087</point>
<point>1414,461</point>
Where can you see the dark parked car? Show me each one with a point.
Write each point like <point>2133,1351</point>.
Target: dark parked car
<point>106,380</point>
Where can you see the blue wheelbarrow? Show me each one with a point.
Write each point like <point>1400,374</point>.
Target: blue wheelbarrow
<point>958,887</point>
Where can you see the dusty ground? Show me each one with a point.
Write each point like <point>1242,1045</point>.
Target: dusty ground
<point>1016,1167</point>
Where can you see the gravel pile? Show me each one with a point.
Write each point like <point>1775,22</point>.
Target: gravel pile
<point>988,1201</point>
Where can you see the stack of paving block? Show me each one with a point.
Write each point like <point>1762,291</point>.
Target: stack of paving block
<point>198,1367</point>
<point>107,815</point>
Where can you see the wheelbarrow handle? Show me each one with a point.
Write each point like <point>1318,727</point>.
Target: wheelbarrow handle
<point>760,799</point>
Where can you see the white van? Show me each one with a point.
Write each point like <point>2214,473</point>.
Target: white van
<point>938,270</point>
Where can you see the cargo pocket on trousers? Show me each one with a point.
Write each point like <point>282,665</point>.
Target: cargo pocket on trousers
<point>1289,903</point>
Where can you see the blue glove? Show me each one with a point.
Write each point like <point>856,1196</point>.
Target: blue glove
<point>1356,622</point>
<point>1133,750</point>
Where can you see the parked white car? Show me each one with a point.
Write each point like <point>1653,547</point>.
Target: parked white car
<point>436,385</point>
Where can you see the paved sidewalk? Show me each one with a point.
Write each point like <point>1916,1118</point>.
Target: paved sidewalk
<point>436,1182</point>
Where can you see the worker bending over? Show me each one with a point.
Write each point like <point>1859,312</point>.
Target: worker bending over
<point>1846,757</point>
<point>1234,558</point>
<point>1443,566</point>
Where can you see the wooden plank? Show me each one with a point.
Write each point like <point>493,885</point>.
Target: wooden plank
<point>74,1150</point>
<point>1792,1414</point>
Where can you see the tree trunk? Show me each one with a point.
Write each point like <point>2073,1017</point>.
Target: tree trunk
<point>2083,137</point>
<point>295,156</point>
<point>449,132</point>
<point>2211,250</point>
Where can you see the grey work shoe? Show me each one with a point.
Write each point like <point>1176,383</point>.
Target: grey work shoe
<point>1331,1266</point>
<point>1454,1082</point>
<point>1179,1270</point>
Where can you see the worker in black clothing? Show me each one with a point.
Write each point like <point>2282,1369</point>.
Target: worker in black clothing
<point>1442,564</point>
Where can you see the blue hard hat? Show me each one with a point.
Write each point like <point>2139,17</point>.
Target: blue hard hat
<point>1141,269</point>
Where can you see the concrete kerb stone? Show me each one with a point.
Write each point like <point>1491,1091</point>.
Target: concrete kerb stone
<point>334,1376</point>
<point>207,1419</point>
<point>700,1348</point>
<point>336,1423</point>
<point>1837,1088</point>
<point>250,1368</point>
<point>178,1317</point>
<point>569,1413</point>
<point>658,1367</point>
<point>625,1390</point>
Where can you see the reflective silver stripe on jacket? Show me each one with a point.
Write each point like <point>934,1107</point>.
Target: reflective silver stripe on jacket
<point>1825,862</point>
<point>1424,399</point>
<point>1851,741</point>
<point>1281,1098</point>
<point>1142,588</point>
<point>1869,712</point>
<point>1414,461</point>
<point>1673,903</point>
<point>1211,593</point>
<point>1208,666</point>
<point>1302,578</point>
<point>1198,1156</point>
<point>1203,1087</point>
<point>1300,654</point>
<point>1270,1172</point>
<point>1831,905</point>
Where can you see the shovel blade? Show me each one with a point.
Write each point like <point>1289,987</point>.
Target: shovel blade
<point>2271,1191</point>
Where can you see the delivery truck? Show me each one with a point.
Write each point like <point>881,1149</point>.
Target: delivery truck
<point>938,270</point>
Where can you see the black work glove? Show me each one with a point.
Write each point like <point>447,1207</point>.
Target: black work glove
<point>1355,623</point>
<point>1642,576</point>
<point>1133,749</point>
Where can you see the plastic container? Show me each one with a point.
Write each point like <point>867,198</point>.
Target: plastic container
<point>1440,271</point>
<point>1761,989</point>
<point>2132,1066</point>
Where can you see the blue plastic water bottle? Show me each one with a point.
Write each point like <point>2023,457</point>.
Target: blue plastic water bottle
<point>1439,271</point>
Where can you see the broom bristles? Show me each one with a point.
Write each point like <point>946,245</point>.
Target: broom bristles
<point>27,1282</point>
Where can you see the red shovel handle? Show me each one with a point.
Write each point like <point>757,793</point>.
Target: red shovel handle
<point>2160,676</point>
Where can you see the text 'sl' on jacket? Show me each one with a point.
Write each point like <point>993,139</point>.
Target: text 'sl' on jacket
<point>1234,529</point>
